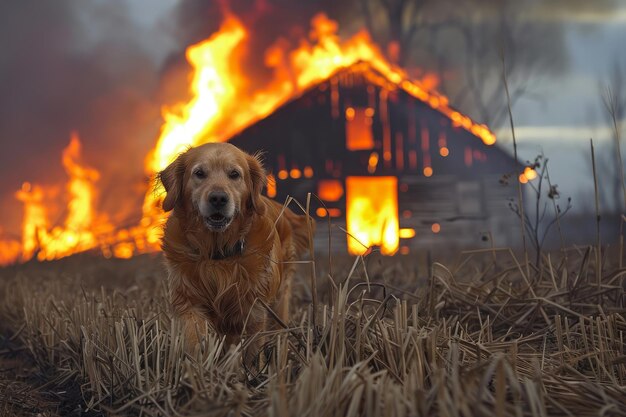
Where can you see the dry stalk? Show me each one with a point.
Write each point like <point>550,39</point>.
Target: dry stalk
<point>597,200</point>
<point>520,194</point>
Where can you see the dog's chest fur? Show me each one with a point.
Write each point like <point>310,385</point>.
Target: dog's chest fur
<point>223,291</point>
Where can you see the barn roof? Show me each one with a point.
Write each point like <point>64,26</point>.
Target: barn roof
<point>428,95</point>
<point>396,79</point>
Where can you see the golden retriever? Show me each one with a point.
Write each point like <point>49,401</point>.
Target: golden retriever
<point>226,246</point>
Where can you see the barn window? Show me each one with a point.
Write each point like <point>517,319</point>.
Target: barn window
<point>359,134</point>
<point>295,173</point>
<point>372,214</point>
<point>334,212</point>
<point>330,211</point>
<point>330,190</point>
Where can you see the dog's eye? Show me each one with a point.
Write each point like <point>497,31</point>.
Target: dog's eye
<point>198,173</point>
<point>234,174</point>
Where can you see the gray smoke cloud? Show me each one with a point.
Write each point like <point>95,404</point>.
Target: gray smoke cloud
<point>73,66</point>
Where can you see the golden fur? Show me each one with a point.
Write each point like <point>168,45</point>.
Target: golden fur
<point>209,280</point>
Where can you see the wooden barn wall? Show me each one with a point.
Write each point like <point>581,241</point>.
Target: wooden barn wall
<point>463,194</point>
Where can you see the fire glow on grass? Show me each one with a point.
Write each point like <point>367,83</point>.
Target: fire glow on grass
<point>223,102</point>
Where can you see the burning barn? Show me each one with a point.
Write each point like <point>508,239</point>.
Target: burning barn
<point>394,164</point>
<point>391,162</point>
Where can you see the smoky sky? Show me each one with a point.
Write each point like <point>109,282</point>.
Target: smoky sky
<point>72,65</point>
<point>60,73</point>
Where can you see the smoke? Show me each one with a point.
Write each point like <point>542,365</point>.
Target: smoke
<point>69,66</point>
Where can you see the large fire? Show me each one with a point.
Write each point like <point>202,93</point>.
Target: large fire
<point>222,103</point>
<point>81,227</point>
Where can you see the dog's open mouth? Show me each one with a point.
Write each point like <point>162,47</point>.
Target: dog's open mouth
<point>217,221</point>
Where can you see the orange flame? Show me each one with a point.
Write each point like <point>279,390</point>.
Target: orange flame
<point>81,225</point>
<point>9,251</point>
<point>35,219</point>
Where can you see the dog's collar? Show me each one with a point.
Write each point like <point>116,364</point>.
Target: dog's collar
<point>227,253</point>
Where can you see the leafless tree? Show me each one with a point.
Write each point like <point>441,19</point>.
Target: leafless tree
<point>397,31</point>
<point>545,211</point>
<point>463,41</point>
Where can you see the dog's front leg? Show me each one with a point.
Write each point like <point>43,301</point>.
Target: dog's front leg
<point>254,339</point>
<point>194,329</point>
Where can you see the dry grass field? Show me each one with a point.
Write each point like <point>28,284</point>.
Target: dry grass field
<point>486,334</point>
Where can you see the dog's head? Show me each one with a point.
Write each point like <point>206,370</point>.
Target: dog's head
<point>216,182</point>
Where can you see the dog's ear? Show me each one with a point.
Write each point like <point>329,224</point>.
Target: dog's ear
<point>258,179</point>
<point>172,180</point>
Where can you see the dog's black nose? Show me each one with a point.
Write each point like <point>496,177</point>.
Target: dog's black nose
<point>218,199</point>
